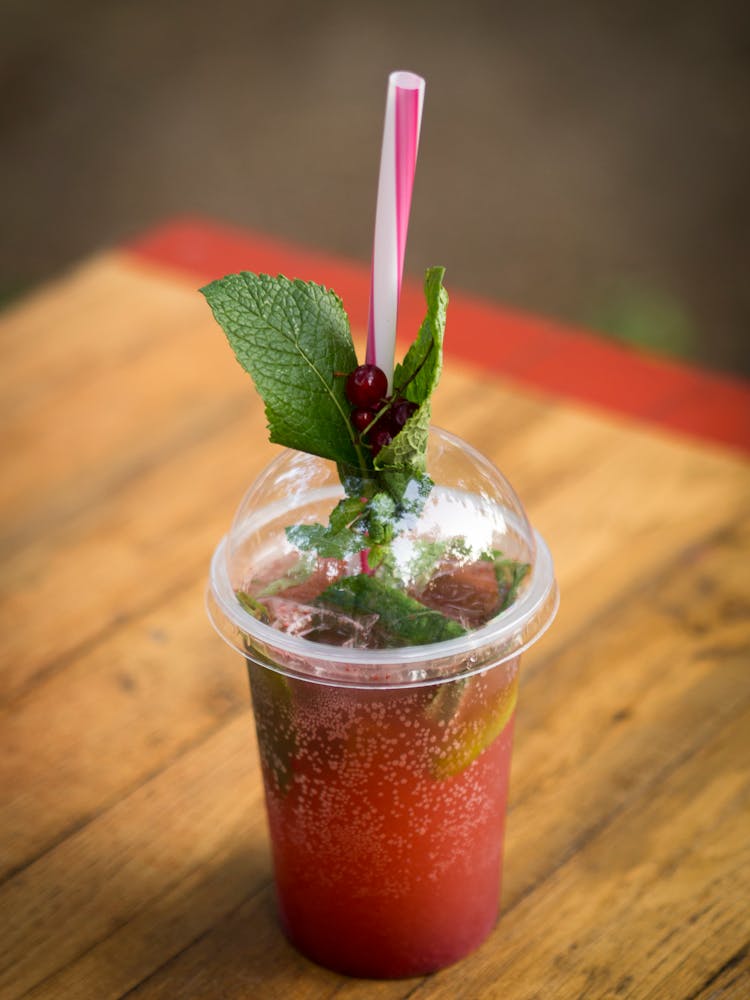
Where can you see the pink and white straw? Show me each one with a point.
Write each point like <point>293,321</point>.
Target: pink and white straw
<point>398,160</point>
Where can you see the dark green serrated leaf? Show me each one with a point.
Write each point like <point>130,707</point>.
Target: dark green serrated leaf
<point>416,379</point>
<point>417,376</point>
<point>406,454</point>
<point>417,569</point>
<point>344,535</point>
<point>325,543</point>
<point>345,513</point>
<point>406,621</point>
<point>292,337</point>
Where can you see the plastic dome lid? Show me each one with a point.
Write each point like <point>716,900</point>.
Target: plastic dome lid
<point>471,505</point>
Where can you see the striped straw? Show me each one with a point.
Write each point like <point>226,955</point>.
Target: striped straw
<point>398,160</point>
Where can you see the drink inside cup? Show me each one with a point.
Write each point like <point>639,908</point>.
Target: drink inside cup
<point>386,767</point>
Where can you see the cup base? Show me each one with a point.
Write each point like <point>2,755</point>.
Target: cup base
<point>380,961</point>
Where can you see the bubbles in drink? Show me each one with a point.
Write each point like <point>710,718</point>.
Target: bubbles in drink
<point>381,810</point>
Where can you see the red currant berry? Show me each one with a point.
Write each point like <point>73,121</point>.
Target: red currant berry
<point>366,386</point>
<point>401,412</point>
<point>362,419</point>
<point>380,438</point>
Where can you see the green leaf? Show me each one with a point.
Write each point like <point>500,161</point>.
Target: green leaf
<point>341,537</point>
<point>416,379</point>
<point>509,573</point>
<point>381,514</point>
<point>292,337</point>
<point>417,376</point>
<point>345,513</point>
<point>405,620</point>
<point>299,573</point>
<point>416,569</point>
<point>255,608</point>
<point>406,454</point>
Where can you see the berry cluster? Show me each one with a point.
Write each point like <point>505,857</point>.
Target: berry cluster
<point>366,390</point>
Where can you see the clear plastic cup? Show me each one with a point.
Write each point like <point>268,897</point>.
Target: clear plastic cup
<point>385,770</point>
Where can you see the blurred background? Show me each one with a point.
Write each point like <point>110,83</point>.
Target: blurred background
<point>587,161</point>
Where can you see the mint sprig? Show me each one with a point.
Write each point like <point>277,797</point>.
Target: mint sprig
<point>293,338</point>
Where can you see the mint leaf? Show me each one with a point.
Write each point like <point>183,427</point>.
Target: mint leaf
<point>292,337</point>
<point>509,573</point>
<point>417,376</point>
<point>404,619</point>
<point>414,569</point>
<point>406,453</point>
<point>381,514</point>
<point>341,537</point>
<point>416,379</point>
<point>299,573</point>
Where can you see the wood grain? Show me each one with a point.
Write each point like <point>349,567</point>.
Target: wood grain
<point>133,852</point>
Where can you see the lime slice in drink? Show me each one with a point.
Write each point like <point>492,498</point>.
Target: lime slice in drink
<point>471,723</point>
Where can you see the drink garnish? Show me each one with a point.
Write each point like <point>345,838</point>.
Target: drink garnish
<point>293,338</point>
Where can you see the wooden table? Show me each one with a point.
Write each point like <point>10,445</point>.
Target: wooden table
<point>134,856</point>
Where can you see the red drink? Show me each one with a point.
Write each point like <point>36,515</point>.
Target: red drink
<point>386,810</point>
<point>386,765</point>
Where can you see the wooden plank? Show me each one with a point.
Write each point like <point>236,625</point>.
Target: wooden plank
<point>122,712</point>
<point>730,982</point>
<point>152,872</point>
<point>82,323</point>
<point>648,682</point>
<point>626,510</point>
<point>88,421</point>
<point>115,561</point>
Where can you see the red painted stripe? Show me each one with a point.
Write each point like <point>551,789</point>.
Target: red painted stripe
<point>561,360</point>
